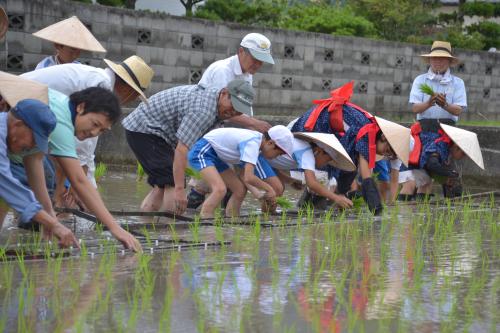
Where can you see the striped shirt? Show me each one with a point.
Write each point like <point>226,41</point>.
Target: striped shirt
<point>183,113</point>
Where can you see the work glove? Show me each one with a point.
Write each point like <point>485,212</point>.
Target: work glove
<point>345,180</point>
<point>438,169</point>
<point>452,188</point>
<point>371,196</point>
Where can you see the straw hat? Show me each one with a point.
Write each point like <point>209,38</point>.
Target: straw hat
<point>4,22</point>
<point>333,147</point>
<point>135,72</point>
<point>398,137</point>
<point>71,32</point>
<point>14,88</point>
<point>467,141</point>
<point>440,49</point>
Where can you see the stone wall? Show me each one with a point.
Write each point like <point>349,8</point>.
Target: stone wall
<point>307,66</point>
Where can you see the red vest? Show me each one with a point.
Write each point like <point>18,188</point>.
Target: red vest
<point>338,98</point>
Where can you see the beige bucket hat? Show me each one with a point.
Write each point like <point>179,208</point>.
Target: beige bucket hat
<point>440,49</point>
<point>398,137</point>
<point>71,32</point>
<point>135,72</point>
<point>467,141</point>
<point>4,22</point>
<point>332,146</point>
<point>14,88</point>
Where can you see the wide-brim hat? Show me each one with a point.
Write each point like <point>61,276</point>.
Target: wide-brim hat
<point>14,88</point>
<point>71,32</point>
<point>4,22</point>
<point>467,141</point>
<point>135,72</point>
<point>332,146</point>
<point>440,49</point>
<point>398,137</point>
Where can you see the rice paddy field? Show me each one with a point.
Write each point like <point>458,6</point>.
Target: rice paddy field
<point>420,267</point>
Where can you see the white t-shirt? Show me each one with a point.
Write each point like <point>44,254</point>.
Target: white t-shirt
<point>235,145</point>
<point>303,158</point>
<point>396,164</point>
<point>221,72</point>
<point>85,150</point>
<point>70,78</point>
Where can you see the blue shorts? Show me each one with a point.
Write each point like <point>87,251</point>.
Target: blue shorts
<point>202,155</point>
<point>383,170</point>
<point>263,169</point>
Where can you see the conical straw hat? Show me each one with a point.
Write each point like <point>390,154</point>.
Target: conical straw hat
<point>71,32</point>
<point>14,89</point>
<point>467,141</point>
<point>332,146</point>
<point>135,72</point>
<point>4,22</point>
<point>440,49</point>
<point>398,137</point>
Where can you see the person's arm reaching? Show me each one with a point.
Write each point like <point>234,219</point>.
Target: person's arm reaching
<point>33,164</point>
<point>92,200</point>
<point>315,186</point>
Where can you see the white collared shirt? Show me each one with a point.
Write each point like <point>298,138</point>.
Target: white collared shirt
<point>70,78</point>
<point>453,87</point>
<point>221,72</point>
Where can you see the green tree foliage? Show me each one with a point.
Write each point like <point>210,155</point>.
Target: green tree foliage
<point>337,20</point>
<point>259,12</point>
<point>397,19</point>
<point>480,8</point>
<point>490,32</point>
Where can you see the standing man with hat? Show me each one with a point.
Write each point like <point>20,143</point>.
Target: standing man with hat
<point>444,106</point>
<point>449,100</point>
<point>70,37</point>
<point>254,50</point>
<point>161,132</point>
<point>24,127</point>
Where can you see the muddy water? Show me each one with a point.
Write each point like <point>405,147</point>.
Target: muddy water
<point>417,269</point>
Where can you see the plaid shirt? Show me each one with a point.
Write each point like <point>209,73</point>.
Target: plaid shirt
<point>183,113</point>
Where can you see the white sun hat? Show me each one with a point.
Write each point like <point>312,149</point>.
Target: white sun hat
<point>14,88</point>
<point>332,146</point>
<point>71,32</point>
<point>467,141</point>
<point>282,137</point>
<point>259,47</point>
<point>398,137</point>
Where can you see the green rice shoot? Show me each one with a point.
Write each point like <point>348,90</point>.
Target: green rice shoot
<point>190,172</point>
<point>426,89</point>
<point>139,172</point>
<point>284,203</point>
<point>100,170</point>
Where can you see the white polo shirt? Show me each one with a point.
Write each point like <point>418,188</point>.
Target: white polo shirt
<point>303,158</point>
<point>221,72</point>
<point>70,78</point>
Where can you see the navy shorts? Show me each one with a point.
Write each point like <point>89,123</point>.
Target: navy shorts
<point>155,156</point>
<point>263,169</point>
<point>203,155</point>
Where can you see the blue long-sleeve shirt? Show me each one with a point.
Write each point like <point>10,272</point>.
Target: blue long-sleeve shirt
<point>16,195</point>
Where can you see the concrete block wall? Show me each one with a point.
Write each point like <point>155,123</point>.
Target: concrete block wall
<point>307,65</point>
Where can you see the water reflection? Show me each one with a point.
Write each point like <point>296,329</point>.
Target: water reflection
<point>414,270</point>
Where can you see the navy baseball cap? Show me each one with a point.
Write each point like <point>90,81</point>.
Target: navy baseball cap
<point>39,118</point>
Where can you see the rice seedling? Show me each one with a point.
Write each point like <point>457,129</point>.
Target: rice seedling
<point>190,172</point>
<point>100,170</point>
<point>139,172</point>
<point>284,203</point>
